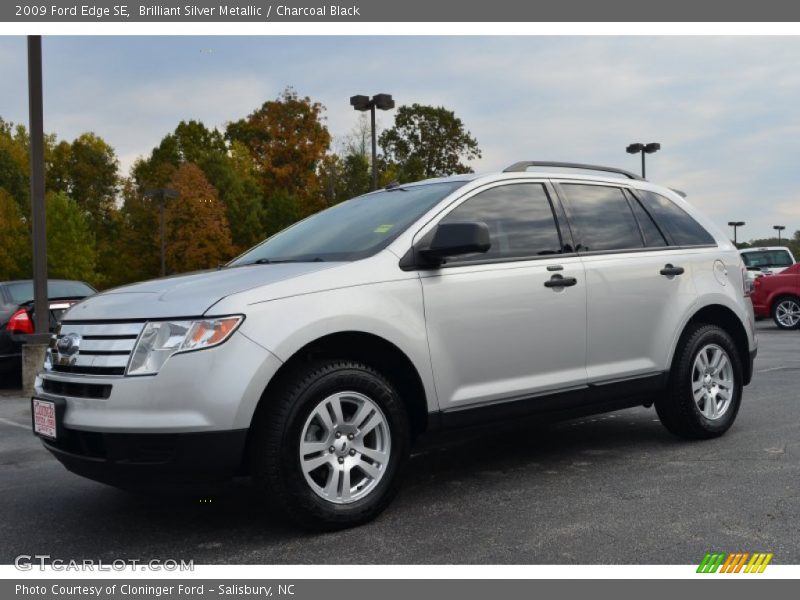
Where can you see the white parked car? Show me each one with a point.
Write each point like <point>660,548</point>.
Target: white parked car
<point>766,260</point>
<point>313,361</point>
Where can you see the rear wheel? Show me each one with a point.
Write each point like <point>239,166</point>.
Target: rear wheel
<point>330,447</point>
<point>705,387</point>
<point>786,312</point>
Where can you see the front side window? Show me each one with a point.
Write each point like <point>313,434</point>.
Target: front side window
<point>681,227</point>
<point>520,220</point>
<point>601,218</point>
<point>351,230</point>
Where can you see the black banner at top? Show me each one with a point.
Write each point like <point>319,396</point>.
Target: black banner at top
<point>209,11</point>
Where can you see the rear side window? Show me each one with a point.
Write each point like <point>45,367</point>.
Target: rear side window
<point>653,238</point>
<point>520,220</point>
<point>601,218</point>
<point>677,223</point>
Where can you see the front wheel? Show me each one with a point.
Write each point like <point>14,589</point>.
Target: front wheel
<point>786,312</point>
<point>705,387</point>
<point>330,446</point>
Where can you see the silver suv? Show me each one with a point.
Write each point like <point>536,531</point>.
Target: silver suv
<point>315,360</point>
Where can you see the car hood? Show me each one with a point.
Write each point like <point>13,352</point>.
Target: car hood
<point>187,295</point>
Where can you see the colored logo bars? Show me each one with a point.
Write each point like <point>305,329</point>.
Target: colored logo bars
<point>743,562</point>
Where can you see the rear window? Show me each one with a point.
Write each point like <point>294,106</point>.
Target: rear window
<point>676,222</point>
<point>767,259</point>
<point>22,292</point>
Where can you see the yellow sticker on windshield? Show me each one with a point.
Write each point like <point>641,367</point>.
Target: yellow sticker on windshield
<point>383,228</point>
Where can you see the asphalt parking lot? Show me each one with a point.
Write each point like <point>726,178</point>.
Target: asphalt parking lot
<point>610,489</point>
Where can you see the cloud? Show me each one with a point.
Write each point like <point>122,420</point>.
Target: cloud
<point>723,108</point>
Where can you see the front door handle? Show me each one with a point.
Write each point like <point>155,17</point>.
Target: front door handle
<point>670,270</point>
<point>560,281</point>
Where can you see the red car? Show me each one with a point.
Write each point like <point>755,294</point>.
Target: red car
<point>778,296</point>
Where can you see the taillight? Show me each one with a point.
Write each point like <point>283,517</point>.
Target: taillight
<point>747,283</point>
<point>20,322</point>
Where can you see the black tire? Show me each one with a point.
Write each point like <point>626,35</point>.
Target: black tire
<point>774,309</point>
<point>676,408</point>
<point>278,427</point>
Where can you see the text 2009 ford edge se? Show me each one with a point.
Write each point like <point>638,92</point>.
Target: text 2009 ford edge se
<point>313,361</point>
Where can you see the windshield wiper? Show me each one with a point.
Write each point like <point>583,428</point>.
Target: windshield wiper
<point>276,261</point>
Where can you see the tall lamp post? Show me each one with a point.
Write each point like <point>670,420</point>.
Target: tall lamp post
<point>639,148</point>
<point>162,194</point>
<point>365,103</point>
<point>779,228</point>
<point>736,225</point>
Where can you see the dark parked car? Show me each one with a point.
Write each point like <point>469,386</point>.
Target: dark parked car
<point>16,313</point>
<point>778,296</point>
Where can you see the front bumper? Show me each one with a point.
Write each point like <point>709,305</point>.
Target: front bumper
<point>210,390</point>
<point>143,460</point>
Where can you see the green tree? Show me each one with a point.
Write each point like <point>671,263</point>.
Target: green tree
<point>14,164</point>
<point>136,243</point>
<point>70,242</point>
<point>428,141</point>
<point>283,210</point>
<point>15,245</point>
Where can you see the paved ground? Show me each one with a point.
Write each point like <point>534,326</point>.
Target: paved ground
<point>611,489</point>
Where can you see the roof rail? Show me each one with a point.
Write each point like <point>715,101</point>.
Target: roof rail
<point>523,166</point>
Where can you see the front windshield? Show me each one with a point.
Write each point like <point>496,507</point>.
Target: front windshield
<point>767,259</point>
<point>353,229</point>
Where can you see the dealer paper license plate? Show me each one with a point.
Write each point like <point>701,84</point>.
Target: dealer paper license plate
<point>44,418</point>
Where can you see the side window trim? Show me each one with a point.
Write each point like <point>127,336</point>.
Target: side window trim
<point>562,195</point>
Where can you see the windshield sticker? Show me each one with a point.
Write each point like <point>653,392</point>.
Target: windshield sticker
<point>383,228</point>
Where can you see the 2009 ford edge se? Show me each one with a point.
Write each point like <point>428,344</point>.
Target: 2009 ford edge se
<point>313,361</point>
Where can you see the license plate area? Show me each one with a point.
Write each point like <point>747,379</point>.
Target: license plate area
<point>45,418</point>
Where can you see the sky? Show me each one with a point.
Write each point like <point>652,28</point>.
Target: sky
<point>726,110</point>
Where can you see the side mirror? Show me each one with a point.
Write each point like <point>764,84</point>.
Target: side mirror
<point>456,239</point>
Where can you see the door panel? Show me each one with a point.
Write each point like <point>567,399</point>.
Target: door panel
<point>634,311</point>
<point>496,332</point>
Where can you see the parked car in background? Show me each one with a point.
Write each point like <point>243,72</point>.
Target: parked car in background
<point>16,313</point>
<point>766,260</point>
<point>778,296</point>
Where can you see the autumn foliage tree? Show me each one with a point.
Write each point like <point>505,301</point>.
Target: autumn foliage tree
<point>197,232</point>
<point>287,140</point>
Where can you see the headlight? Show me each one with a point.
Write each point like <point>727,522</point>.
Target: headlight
<point>161,339</point>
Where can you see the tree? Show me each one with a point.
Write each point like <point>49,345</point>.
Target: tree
<point>283,210</point>
<point>136,243</point>
<point>288,140</point>
<point>15,246</point>
<point>14,164</point>
<point>428,141</point>
<point>196,227</point>
<point>70,242</point>
<point>229,169</point>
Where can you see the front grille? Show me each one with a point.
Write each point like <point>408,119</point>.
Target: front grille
<point>94,348</point>
<point>77,390</point>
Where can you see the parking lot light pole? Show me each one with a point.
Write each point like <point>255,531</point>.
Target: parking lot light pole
<point>162,194</point>
<point>365,103</point>
<point>639,148</point>
<point>779,228</point>
<point>736,225</point>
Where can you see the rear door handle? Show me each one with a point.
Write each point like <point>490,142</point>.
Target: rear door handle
<point>670,270</point>
<point>560,281</point>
